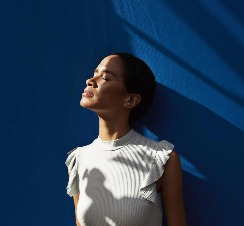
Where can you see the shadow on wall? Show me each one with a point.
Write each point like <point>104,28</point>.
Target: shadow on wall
<point>209,146</point>
<point>212,31</point>
<point>211,153</point>
<point>191,69</point>
<point>42,117</point>
<point>236,8</point>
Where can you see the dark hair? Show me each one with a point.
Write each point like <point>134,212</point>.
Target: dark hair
<point>139,79</point>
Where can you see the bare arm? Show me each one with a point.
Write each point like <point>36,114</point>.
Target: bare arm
<point>172,191</point>
<point>76,199</point>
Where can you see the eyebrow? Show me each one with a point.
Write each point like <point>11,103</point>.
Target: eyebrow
<point>105,71</point>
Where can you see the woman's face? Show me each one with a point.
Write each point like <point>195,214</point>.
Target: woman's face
<point>105,91</point>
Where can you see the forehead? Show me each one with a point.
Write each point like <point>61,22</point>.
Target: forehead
<point>112,63</point>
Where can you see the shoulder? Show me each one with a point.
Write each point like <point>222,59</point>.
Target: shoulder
<point>173,161</point>
<point>173,165</point>
<point>171,178</point>
<point>174,156</point>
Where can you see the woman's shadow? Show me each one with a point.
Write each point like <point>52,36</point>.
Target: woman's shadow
<point>101,197</point>
<point>105,208</point>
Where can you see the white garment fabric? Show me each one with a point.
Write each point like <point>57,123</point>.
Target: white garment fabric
<point>116,180</point>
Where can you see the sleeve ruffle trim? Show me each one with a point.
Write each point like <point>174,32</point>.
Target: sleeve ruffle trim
<point>148,187</point>
<point>73,183</point>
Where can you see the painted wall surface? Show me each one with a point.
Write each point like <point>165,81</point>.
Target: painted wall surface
<point>48,50</point>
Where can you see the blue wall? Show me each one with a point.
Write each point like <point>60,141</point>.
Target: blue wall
<point>49,48</point>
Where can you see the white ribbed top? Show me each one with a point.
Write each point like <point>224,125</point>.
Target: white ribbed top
<point>116,181</point>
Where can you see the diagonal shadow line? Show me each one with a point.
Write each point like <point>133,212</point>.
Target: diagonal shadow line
<point>212,31</point>
<point>236,8</point>
<point>235,98</point>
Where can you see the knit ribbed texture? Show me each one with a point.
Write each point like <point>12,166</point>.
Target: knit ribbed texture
<point>116,181</point>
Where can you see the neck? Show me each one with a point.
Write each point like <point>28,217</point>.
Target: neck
<point>112,129</point>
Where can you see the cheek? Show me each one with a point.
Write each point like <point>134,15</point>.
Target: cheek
<point>115,88</point>
<point>113,92</point>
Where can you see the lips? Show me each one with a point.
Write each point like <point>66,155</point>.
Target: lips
<point>87,93</point>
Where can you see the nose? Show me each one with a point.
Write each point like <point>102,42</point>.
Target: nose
<point>91,82</point>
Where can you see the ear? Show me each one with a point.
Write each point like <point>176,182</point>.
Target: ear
<point>132,100</point>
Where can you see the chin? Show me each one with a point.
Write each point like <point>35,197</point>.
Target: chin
<point>83,104</point>
<point>86,104</point>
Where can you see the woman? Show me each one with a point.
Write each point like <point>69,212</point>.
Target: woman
<point>122,178</point>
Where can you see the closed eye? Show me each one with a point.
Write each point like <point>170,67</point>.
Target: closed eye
<point>104,72</point>
<point>106,79</point>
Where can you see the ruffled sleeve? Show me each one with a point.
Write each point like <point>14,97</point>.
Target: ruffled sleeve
<point>161,155</point>
<point>73,183</point>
